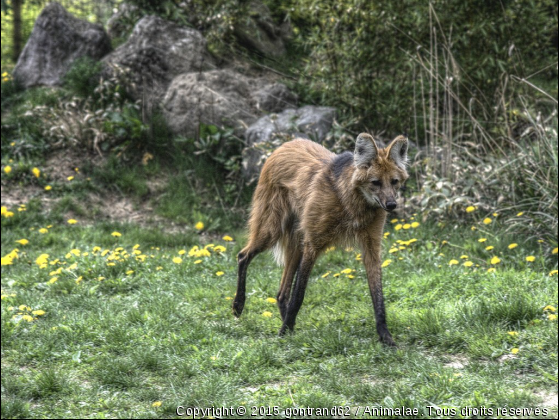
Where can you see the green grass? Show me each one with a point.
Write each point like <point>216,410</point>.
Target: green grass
<point>128,326</point>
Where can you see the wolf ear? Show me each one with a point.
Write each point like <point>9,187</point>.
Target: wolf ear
<point>366,150</point>
<point>398,151</point>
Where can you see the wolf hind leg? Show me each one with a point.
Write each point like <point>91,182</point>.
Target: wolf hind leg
<point>292,258</point>
<point>260,240</point>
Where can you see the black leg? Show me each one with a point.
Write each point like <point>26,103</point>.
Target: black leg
<point>298,292</point>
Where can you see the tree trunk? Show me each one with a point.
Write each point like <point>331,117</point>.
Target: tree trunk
<point>16,9</point>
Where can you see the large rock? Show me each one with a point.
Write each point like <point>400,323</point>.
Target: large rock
<point>57,40</point>
<point>268,132</point>
<point>217,97</point>
<point>258,32</point>
<point>155,53</point>
<point>275,98</point>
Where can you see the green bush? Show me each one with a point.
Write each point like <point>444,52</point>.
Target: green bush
<point>83,76</point>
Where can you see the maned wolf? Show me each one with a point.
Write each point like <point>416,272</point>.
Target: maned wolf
<point>307,199</point>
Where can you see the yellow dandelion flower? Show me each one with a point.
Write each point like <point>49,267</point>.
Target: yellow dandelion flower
<point>156,404</point>
<point>530,258</point>
<point>489,248</point>
<point>129,272</point>
<point>70,178</point>
<point>552,317</point>
<point>514,350</point>
<point>199,226</point>
<point>453,262</point>
<point>219,248</point>
<point>511,246</point>
<point>464,257</point>
<point>48,188</point>
<point>549,308</point>
<point>36,172</point>
<point>71,221</point>
<point>346,271</point>
<point>267,314</point>
<point>406,226</point>
<point>414,225</point>
<point>116,234</point>
<point>468,263</point>
<point>473,228</point>
<point>27,318</point>
<point>495,260</point>
<point>487,221</point>
<point>444,242</point>
<point>220,273</point>
<point>386,263</point>
<point>336,274</point>
<point>229,298</point>
<point>271,300</point>
<point>182,252</point>
<point>398,227</point>
<point>53,280</point>
<point>177,260</point>
<point>491,270</point>
<point>159,267</point>
<point>227,238</point>
<point>198,261</point>
<point>23,241</point>
<point>513,333</point>
<point>553,272</point>
<point>555,251</point>
<point>43,230</point>
<point>7,169</point>
<point>393,250</point>
<point>39,312</point>
<point>470,209</point>
<point>42,260</point>
<point>482,240</point>
<point>358,257</point>
<point>394,221</point>
<point>495,214</point>
<point>520,214</point>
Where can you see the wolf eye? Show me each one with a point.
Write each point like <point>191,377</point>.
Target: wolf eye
<point>377,183</point>
<point>394,181</point>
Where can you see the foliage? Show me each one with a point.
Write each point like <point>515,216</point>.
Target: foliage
<point>363,56</point>
<point>83,76</point>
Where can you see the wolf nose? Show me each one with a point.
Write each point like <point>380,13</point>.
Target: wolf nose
<point>391,205</point>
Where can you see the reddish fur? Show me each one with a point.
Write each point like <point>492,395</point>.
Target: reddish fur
<point>303,206</point>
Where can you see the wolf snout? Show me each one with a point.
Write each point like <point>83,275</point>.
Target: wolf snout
<point>391,205</point>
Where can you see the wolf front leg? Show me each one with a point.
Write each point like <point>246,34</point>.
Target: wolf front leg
<point>298,291</point>
<point>372,262</point>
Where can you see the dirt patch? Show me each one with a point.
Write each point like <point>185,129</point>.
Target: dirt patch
<point>549,399</point>
<point>64,163</point>
<point>456,362</point>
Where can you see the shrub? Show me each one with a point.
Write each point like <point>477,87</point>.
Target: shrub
<point>83,76</point>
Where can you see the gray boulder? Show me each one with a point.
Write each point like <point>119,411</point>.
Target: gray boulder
<point>275,98</point>
<point>218,97</point>
<point>270,131</point>
<point>258,32</point>
<point>57,40</point>
<point>155,53</point>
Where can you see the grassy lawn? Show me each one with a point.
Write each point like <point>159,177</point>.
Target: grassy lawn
<point>98,324</point>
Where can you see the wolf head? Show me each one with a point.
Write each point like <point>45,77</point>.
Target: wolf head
<point>379,173</point>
